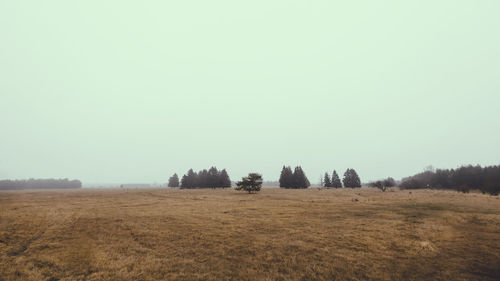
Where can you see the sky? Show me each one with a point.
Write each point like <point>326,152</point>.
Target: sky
<point>134,91</point>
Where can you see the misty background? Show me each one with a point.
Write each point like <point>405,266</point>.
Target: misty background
<point>113,92</point>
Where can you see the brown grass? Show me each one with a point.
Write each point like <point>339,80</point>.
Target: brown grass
<point>228,235</point>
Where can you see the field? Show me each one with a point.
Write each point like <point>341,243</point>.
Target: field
<point>312,234</point>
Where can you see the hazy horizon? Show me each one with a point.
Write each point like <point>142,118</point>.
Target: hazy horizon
<point>113,92</point>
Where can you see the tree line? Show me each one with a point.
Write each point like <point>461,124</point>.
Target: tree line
<point>350,179</point>
<point>334,181</point>
<point>464,178</point>
<point>40,184</point>
<point>211,178</point>
<point>289,179</point>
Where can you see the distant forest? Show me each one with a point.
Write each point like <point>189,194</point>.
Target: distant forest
<point>40,184</point>
<point>211,178</point>
<point>464,178</point>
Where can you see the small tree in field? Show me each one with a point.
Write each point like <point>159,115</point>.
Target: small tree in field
<point>251,183</point>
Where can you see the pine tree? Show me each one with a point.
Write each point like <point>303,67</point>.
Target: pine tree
<point>202,179</point>
<point>191,179</point>
<point>212,178</point>
<point>184,181</point>
<point>336,180</point>
<point>251,183</point>
<point>327,182</point>
<point>286,177</point>
<point>351,178</point>
<point>299,178</point>
<point>224,180</point>
<point>173,181</point>
<point>305,181</point>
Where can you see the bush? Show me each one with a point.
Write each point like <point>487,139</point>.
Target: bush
<point>383,184</point>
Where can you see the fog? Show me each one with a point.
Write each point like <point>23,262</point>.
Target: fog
<point>132,93</point>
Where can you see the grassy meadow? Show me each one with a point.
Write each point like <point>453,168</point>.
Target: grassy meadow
<point>313,234</point>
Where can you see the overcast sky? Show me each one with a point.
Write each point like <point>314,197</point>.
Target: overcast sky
<point>115,92</point>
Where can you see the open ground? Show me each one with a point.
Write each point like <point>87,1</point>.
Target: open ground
<point>313,234</point>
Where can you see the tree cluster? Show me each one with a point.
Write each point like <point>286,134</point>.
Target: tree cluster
<point>211,178</point>
<point>486,179</point>
<point>333,182</point>
<point>40,184</point>
<point>351,179</point>
<point>295,179</point>
<point>383,184</point>
<point>251,183</point>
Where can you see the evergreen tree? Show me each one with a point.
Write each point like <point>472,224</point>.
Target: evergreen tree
<point>299,178</point>
<point>224,180</point>
<point>251,183</point>
<point>351,178</point>
<point>202,179</point>
<point>486,179</point>
<point>336,180</point>
<point>173,181</point>
<point>184,181</point>
<point>286,177</point>
<point>295,179</point>
<point>326,181</point>
<point>190,179</point>
<point>212,178</point>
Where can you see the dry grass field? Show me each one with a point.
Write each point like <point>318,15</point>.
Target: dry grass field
<point>313,234</point>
